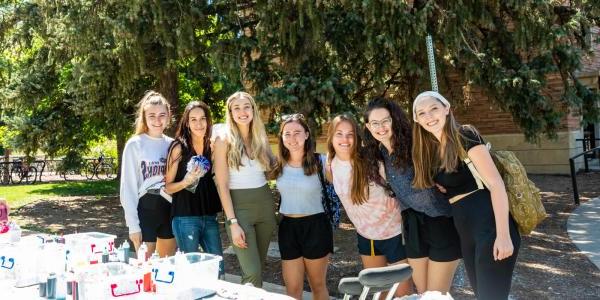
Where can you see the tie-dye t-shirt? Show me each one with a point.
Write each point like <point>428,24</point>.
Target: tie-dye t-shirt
<point>377,219</point>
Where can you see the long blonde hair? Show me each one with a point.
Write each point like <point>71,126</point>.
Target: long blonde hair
<point>360,178</point>
<point>149,98</point>
<point>431,156</point>
<point>258,136</point>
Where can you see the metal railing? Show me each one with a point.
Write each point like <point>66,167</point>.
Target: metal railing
<point>586,144</point>
<point>573,172</point>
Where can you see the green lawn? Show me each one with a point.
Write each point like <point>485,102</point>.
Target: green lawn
<point>19,195</point>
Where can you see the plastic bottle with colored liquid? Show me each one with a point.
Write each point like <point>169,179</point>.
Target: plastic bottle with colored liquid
<point>142,254</point>
<point>126,252</point>
<point>3,212</point>
<point>105,255</point>
<point>155,256</point>
<point>15,232</point>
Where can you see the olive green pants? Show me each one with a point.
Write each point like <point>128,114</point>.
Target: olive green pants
<point>254,209</point>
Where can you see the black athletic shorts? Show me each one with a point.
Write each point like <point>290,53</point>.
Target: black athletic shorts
<point>154,213</point>
<point>432,237</point>
<point>310,237</point>
<point>391,248</point>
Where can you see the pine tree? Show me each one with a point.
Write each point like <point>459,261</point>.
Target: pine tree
<point>307,55</point>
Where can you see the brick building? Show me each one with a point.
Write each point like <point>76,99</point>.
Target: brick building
<point>499,128</point>
<point>549,156</point>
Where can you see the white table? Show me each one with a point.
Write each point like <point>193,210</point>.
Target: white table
<point>234,291</point>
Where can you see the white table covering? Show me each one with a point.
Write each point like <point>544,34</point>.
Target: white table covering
<point>224,288</point>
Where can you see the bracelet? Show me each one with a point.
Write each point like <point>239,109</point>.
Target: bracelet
<point>231,221</point>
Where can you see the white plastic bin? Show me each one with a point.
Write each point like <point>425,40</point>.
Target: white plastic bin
<point>7,261</point>
<point>185,271</point>
<point>94,241</point>
<point>109,281</point>
<point>27,262</point>
<point>88,246</point>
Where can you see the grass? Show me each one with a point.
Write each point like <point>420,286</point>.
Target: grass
<point>19,195</point>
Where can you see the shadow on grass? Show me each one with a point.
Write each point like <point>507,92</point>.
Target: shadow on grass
<point>79,188</point>
<point>66,216</point>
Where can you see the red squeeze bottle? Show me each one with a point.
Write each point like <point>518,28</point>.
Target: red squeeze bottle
<point>148,282</point>
<point>3,212</point>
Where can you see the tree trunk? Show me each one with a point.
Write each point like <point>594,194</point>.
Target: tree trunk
<point>121,140</point>
<point>168,85</point>
<point>6,173</point>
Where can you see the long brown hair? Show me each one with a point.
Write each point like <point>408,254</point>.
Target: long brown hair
<point>360,181</point>
<point>309,163</point>
<point>183,135</point>
<point>430,155</point>
<point>149,98</point>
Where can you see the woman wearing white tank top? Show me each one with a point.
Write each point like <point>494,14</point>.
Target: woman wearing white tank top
<point>242,156</point>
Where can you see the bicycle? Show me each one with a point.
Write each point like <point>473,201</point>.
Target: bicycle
<point>21,170</point>
<point>99,166</point>
<point>70,166</point>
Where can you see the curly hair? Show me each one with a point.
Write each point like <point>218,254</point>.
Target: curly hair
<point>401,139</point>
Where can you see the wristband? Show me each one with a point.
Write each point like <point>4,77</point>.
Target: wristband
<point>231,221</point>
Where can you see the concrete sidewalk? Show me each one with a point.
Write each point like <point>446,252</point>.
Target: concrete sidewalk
<point>583,227</point>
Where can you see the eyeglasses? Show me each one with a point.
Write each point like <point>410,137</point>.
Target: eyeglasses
<point>383,123</point>
<point>292,117</point>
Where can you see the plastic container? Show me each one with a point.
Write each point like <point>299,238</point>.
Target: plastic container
<point>3,212</point>
<point>109,281</point>
<point>10,232</point>
<point>184,271</point>
<point>88,246</point>
<point>28,261</point>
<point>94,241</point>
<point>13,256</point>
<point>7,262</point>
<point>142,253</point>
<point>15,232</point>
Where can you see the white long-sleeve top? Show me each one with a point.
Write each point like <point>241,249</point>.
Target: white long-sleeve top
<point>143,167</point>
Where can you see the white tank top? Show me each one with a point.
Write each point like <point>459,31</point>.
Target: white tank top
<point>250,175</point>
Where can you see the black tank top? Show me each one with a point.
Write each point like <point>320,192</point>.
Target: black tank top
<point>205,201</point>
<point>461,181</point>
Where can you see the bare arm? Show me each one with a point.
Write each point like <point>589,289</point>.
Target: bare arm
<point>481,158</point>
<point>173,164</point>
<point>238,237</point>
<point>222,177</point>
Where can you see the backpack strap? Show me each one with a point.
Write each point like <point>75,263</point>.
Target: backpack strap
<point>331,210</point>
<point>320,169</point>
<point>322,178</point>
<point>478,178</point>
